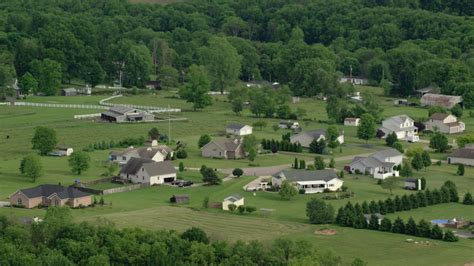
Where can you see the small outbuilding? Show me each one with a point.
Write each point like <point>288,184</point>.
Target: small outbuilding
<point>352,121</point>
<point>235,199</point>
<point>238,130</point>
<point>179,199</point>
<point>69,92</point>
<point>61,151</point>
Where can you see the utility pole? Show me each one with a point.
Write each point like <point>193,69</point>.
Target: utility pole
<point>169,125</point>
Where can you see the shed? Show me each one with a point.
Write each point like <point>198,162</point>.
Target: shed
<point>69,92</point>
<point>179,199</point>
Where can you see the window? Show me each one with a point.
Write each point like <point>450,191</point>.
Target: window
<point>143,169</point>
<point>20,202</point>
<point>124,158</point>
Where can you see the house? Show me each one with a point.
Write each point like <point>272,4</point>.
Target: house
<point>462,156</point>
<point>352,121</point>
<point>305,138</point>
<point>235,199</point>
<point>316,181</point>
<point>139,170</point>
<point>429,89</point>
<point>445,123</point>
<point>354,80</point>
<point>120,114</point>
<point>289,125</point>
<point>69,92</point>
<point>179,199</point>
<point>156,153</point>
<point>369,216</point>
<point>87,90</point>
<point>225,148</point>
<point>403,126</point>
<point>50,195</point>
<point>62,150</point>
<point>412,184</point>
<point>238,130</point>
<point>380,165</point>
<point>445,101</point>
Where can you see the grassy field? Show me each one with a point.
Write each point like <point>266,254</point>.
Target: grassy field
<point>150,207</point>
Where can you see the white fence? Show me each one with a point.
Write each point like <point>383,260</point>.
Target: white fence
<point>6,103</point>
<point>87,116</point>
<point>151,109</point>
<point>61,105</point>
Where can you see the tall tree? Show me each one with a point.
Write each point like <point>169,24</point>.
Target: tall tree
<point>222,61</point>
<point>48,73</point>
<point>439,142</point>
<point>79,162</point>
<point>319,212</point>
<point>196,91</point>
<point>366,129</point>
<point>287,190</point>
<point>32,167</point>
<point>44,140</point>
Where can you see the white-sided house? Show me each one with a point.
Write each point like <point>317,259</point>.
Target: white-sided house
<point>403,126</point>
<point>445,123</point>
<point>380,165</point>
<point>315,181</point>
<point>139,171</point>
<point>238,130</point>
<point>305,138</point>
<point>352,121</point>
<point>62,150</point>
<point>463,156</point>
<point>354,80</point>
<point>235,199</point>
<point>156,153</point>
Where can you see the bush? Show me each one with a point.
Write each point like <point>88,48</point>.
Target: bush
<point>319,212</point>
<point>232,207</point>
<point>250,209</point>
<point>237,172</point>
<point>450,237</point>
<point>181,154</point>
<point>181,166</point>
<point>302,191</point>
<point>195,234</point>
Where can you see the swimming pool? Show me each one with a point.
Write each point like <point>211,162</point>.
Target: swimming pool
<point>440,221</point>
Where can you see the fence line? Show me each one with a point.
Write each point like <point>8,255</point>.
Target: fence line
<point>5,103</point>
<point>87,116</point>
<point>151,109</point>
<point>60,105</point>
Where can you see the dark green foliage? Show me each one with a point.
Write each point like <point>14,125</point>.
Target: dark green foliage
<point>317,146</point>
<point>195,234</point>
<point>366,129</point>
<point>319,163</point>
<point>210,176</point>
<point>302,164</point>
<point>436,232</point>
<point>450,237</point>
<point>237,172</point>
<point>453,192</point>
<point>319,212</point>
<point>398,226</point>
<point>332,163</point>
<point>411,227</point>
<point>392,206</point>
<point>79,162</point>
<point>423,183</point>
<point>181,153</point>
<point>391,139</point>
<point>373,222</point>
<point>373,207</point>
<point>460,170</point>
<point>417,162</point>
<point>296,164</point>
<point>385,225</point>
<point>44,140</point>
<point>424,228</point>
<point>181,166</point>
<point>426,159</point>
<point>406,170</point>
<point>154,133</point>
<point>439,142</point>
<point>365,207</point>
<point>203,140</point>
<point>457,110</point>
<point>399,147</point>
<point>468,199</point>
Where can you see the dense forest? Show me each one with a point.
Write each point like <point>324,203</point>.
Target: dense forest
<point>305,44</point>
<point>58,241</point>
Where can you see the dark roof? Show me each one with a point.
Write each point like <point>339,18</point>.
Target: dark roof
<point>153,168</point>
<point>305,175</point>
<point>411,180</point>
<point>227,144</point>
<point>234,198</point>
<point>439,116</point>
<point>47,190</point>
<point>467,153</point>
<point>235,126</point>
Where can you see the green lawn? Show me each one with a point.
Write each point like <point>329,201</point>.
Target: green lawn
<point>150,207</point>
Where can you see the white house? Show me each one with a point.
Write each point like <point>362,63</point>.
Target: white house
<point>403,126</point>
<point>156,153</point>
<point>305,138</point>
<point>380,165</point>
<point>445,123</point>
<point>235,199</point>
<point>462,156</point>
<point>352,121</point>
<point>238,130</point>
<point>315,181</point>
<point>138,170</point>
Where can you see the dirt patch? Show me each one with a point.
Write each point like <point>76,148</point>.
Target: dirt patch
<point>326,232</point>
<point>469,263</point>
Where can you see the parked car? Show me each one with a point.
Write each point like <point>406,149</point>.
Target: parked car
<point>185,183</point>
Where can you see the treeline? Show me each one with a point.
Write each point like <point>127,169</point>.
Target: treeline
<point>306,46</point>
<point>58,241</point>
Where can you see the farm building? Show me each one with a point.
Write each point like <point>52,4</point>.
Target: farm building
<point>305,138</point>
<point>445,123</point>
<point>225,148</point>
<point>139,171</point>
<point>238,130</point>
<point>352,121</point>
<point>235,199</point>
<point>380,165</point>
<point>316,181</point>
<point>462,156</point>
<point>122,114</point>
<point>50,195</point>
<point>179,199</point>
<point>445,101</point>
<point>354,80</point>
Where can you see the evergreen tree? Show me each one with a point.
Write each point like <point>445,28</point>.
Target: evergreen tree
<point>417,162</point>
<point>382,208</point>
<point>406,204</point>
<point>421,198</point>
<point>360,222</point>
<point>461,170</point>
<point>302,164</point>
<point>365,207</point>
<point>373,207</point>
<point>411,227</point>
<point>468,199</point>
<point>398,226</point>
<point>424,228</point>
<point>450,237</point>
<point>332,163</point>
<point>349,214</point>
<point>436,195</point>
<point>445,196</point>
<point>341,216</point>
<point>413,201</point>
<point>385,225</point>
<point>429,197</point>
<point>390,205</point>
<point>317,146</point>
<point>398,204</point>
<point>406,170</point>
<point>391,139</point>
<point>319,163</point>
<point>373,222</point>
<point>423,183</point>
<point>296,164</point>
<point>453,192</point>
<point>426,159</point>
<point>436,232</point>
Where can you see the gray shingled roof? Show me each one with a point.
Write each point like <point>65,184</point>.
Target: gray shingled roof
<point>467,153</point>
<point>234,198</point>
<point>439,116</point>
<point>47,190</point>
<point>377,159</point>
<point>305,175</point>
<point>153,168</point>
<point>227,144</point>
<point>235,126</point>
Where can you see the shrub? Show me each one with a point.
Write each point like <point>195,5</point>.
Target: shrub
<point>237,172</point>
<point>250,209</point>
<point>181,166</point>
<point>181,153</point>
<point>195,234</point>
<point>241,209</point>
<point>232,207</point>
<point>450,237</point>
<point>319,212</point>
